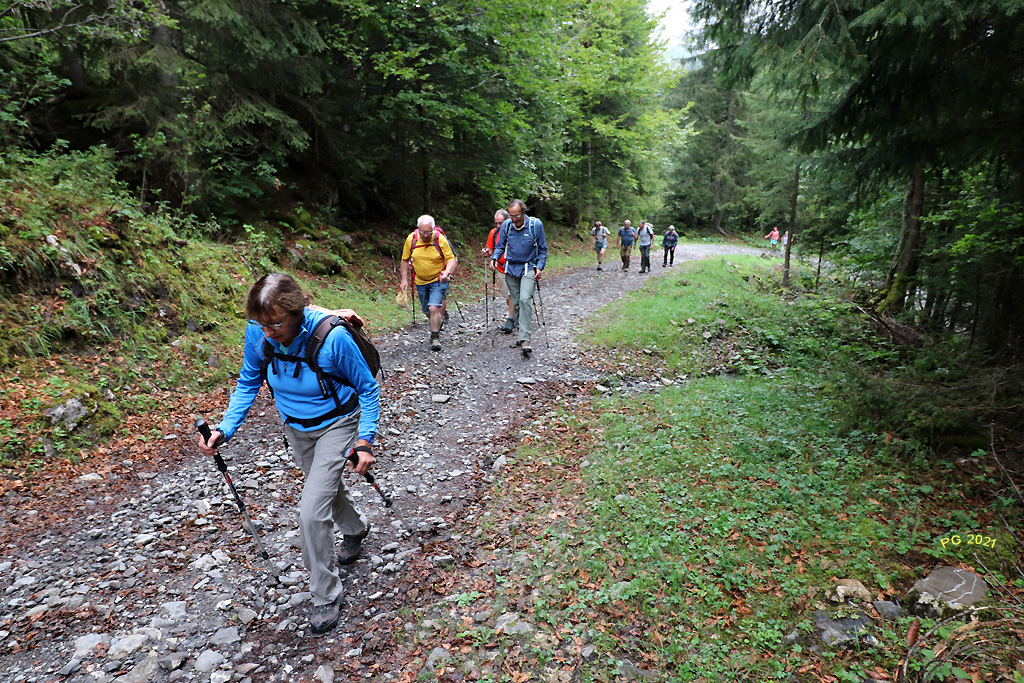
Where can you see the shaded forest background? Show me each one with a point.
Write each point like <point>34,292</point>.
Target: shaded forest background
<point>886,134</point>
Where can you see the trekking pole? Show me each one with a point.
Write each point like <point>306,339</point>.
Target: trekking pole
<point>540,315</point>
<point>389,502</point>
<point>487,305</point>
<point>451,293</point>
<point>370,479</point>
<point>204,429</point>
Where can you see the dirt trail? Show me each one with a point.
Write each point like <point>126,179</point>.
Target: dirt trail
<point>134,575</point>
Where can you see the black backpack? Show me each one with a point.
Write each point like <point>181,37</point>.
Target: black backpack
<point>313,346</point>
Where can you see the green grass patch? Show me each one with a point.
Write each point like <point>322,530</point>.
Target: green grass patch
<point>704,524</point>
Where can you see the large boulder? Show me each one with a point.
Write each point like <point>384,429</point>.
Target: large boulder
<point>946,591</point>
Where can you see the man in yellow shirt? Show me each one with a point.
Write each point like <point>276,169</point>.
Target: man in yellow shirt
<point>429,256</point>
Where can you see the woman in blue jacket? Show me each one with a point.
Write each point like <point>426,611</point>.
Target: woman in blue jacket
<point>321,429</point>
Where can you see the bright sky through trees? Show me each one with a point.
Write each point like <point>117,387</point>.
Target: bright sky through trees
<point>674,24</point>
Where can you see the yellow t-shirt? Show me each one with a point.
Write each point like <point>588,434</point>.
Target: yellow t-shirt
<point>426,260</point>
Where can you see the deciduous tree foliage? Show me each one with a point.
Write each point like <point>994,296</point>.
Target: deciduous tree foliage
<point>371,109</point>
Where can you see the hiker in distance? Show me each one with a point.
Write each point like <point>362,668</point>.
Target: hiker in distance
<point>773,236</point>
<point>669,241</point>
<point>429,256</point>
<point>600,234</point>
<point>644,240</point>
<point>626,238</point>
<point>321,427</point>
<point>522,242</point>
<point>500,216</point>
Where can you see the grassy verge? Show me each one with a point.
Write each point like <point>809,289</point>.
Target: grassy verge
<point>690,534</point>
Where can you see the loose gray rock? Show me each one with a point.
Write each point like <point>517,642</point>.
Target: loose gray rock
<point>125,645</point>
<point>69,414</point>
<point>172,662</point>
<point>225,636</point>
<point>842,631</point>
<point>505,620</point>
<point>889,611</point>
<point>520,628</point>
<point>437,656</point>
<point>846,589</point>
<point>71,667</point>
<point>141,672</point>
<point>631,672</point>
<point>208,660</point>
<point>85,645</point>
<point>246,615</point>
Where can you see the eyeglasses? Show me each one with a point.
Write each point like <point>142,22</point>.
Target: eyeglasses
<point>514,216</point>
<point>266,326</point>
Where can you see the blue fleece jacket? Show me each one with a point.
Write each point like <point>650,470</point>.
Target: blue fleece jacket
<point>520,247</point>
<point>301,396</point>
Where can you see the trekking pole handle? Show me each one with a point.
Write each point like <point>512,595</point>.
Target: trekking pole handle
<point>354,459</point>
<point>204,430</point>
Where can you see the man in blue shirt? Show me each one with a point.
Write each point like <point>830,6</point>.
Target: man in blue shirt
<point>627,235</point>
<point>521,240</point>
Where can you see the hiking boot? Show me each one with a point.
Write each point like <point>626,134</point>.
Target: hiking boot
<point>325,617</point>
<point>351,546</point>
<point>435,345</point>
<point>599,268</point>
<point>526,349</point>
<point>508,326</point>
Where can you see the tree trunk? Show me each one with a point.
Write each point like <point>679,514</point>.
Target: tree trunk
<point>792,226</point>
<point>821,255</point>
<point>904,267</point>
<point>425,178</point>
<point>716,217</point>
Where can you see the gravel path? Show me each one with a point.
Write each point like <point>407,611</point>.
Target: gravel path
<point>143,572</point>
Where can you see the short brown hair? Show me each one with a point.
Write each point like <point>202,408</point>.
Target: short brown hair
<point>276,291</point>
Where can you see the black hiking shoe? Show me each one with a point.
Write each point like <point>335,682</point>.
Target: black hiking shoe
<point>508,326</point>
<point>351,546</point>
<point>599,268</point>
<point>526,349</point>
<point>435,344</point>
<point>326,617</point>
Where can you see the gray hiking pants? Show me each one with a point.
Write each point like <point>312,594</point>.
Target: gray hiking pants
<point>521,291</point>
<point>320,454</point>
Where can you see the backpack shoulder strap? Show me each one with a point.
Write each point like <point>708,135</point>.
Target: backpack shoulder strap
<point>435,242</point>
<point>313,346</point>
<point>437,245</point>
